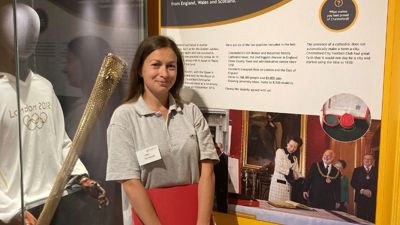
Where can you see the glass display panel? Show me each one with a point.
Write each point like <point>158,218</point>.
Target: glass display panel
<point>48,69</point>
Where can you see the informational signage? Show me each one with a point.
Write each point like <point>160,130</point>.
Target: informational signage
<point>279,55</point>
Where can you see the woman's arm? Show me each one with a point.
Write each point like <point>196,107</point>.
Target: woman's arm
<point>296,169</point>
<point>140,201</point>
<point>206,192</point>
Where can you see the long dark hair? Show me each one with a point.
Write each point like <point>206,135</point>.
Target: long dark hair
<point>150,44</point>
<point>296,139</point>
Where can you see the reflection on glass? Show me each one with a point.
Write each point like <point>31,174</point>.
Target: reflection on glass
<point>43,81</point>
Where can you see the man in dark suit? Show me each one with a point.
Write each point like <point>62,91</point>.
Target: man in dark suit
<point>322,183</point>
<point>364,181</point>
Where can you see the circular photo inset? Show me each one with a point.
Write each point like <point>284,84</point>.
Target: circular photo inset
<point>338,15</point>
<point>345,117</point>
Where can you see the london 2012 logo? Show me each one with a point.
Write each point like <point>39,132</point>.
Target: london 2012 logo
<point>35,121</point>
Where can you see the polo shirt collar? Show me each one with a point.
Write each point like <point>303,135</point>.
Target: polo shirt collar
<point>143,110</point>
<point>173,106</point>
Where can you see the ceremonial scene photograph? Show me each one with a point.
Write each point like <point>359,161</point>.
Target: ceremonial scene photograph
<point>309,170</point>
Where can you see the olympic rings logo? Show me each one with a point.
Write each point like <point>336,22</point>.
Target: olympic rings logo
<point>35,121</point>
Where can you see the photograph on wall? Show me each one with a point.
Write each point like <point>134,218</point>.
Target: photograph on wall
<point>264,132</point>
<point>263,183</point>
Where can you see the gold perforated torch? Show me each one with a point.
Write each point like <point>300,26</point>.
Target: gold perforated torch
<point>108,77</point>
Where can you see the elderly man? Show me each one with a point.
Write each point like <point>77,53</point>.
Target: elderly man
<point>322,183</point>
<point>364,181</point>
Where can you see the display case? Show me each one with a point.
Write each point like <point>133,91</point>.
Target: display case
<point>51,53</point>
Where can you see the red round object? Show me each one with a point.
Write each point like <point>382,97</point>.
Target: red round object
<point>347,121</point>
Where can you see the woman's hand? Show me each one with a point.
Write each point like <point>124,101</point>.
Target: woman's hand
<point>140,201</point>
<point>305,195</point>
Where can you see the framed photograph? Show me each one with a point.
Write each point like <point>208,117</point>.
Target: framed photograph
<point>265,132</point>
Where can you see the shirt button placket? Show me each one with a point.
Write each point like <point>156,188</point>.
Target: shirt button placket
<point>166,129</point>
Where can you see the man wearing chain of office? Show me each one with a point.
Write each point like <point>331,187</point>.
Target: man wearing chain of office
<point>322,183</point>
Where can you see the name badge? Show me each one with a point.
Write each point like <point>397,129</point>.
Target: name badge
<point>148,155</point>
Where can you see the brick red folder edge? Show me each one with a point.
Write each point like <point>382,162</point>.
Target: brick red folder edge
<point>174,205</point>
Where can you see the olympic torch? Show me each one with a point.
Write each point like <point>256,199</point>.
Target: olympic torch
<point>108,77</point>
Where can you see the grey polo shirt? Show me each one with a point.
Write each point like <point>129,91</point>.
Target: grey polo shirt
<point>184,139</point>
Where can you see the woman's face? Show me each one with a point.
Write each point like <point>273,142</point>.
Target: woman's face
<point>291,146</point>
<point>159,71</point>
<point>73,70</point>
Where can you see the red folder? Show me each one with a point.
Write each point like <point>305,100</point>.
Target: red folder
<point>174,205</point>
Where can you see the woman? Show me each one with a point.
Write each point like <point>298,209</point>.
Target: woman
<point>344,186</point>
<point>154,119</point>
<point>286,170</point>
